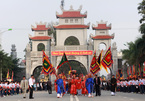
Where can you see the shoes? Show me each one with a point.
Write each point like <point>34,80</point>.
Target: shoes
<point>24,97</point>
<point>31,98</point>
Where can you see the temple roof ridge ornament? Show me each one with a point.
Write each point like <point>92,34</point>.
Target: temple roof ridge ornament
<point>102,25</point>
<point>41,26</point>
<point>71,13</point>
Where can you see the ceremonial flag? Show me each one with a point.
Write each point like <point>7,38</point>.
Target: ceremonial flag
<point>144,70</point>
<point>99,60</point>
<point>53,71</point>
<point>8,77</point>
<point>47,66</point>
<point>93,62</point>
<point>130,70</point>
<point>117,74</point>
<point>127,71</point>
<point>63,60</point>
<point>139,71</point>
<point>94,67</point>
<point>121,73</point>
<point>107,59</point>
<point>12,76</point>
<point>133,70</point>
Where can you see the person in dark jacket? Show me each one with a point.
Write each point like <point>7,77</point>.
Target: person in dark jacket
<point>49,86</point>
<point>97,83</point>
<point>113,85</point>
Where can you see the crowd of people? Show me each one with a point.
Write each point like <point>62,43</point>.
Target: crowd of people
<point>74,85</point>
<point>9,88</point>
<point>134,85</point>
<point>81,85</point>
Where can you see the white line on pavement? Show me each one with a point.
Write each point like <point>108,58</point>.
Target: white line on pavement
<point>77,99</point>
<point>131,99</point>
<point>71,98</point>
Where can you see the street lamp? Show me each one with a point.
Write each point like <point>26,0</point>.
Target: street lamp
<point>1,32</point>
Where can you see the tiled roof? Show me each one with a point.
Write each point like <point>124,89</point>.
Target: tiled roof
<point>70,14</point>
<point>40,27</point>
<point>103,37</point>
<point>40,38</point>
<point>71,26</point>
<point>101,26</point>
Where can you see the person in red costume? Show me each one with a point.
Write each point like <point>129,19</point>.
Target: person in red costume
<point>84,90</point>
<point>55,85</point>
<point>79,86</point>
<point>73,90</point>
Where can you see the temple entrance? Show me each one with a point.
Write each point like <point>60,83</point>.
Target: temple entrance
<point>75,65</point>
<point>37,74</point>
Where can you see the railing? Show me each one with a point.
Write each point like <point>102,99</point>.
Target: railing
<point>67,48</point>
<point>38,53</point>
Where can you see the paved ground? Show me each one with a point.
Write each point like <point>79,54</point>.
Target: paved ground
<point>44,96</point>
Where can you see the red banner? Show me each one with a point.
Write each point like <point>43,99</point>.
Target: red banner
<point>60,53</point>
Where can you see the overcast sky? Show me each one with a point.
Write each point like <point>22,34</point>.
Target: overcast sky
<point>21,14</point>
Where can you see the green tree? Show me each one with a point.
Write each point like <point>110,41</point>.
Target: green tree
<point>6,63</point>
<point>141,11</point>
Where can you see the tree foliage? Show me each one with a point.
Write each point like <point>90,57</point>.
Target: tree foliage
<point>135,53</point>
<point>141,11</point>
<point>6,63</point>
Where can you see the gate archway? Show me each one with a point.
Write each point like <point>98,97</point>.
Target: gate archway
<point>75,65</point>
<point>37,73</point>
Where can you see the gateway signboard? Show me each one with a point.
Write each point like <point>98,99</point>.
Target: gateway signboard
<point>60,53</point>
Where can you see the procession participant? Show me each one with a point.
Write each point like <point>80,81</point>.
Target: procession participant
<point>31,84</point>
<point>113,85</point>
<point>136,85</point>
<point>37,86</point>
<point>24,86</point>
<point>73,89</point>
<point>79,86</point>
<point>49,86</point>
<point>84,90</point>
<point>1,88</point>
<point>121,85</point>
<point>118,85</point>
<point>144,83</point>
<point>60,86</point>
<point>5,89</point>
<point>97,83</point>
<point>133,87</point>
<point>55,85</point>
<point>8,89</point>
<point>125,85</point>
<point>89,85</point>
<point>141,86</point>
<point>17,87</point>
<point>64,83</point>
<point>67,85</point>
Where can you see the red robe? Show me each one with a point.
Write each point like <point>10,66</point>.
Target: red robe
<point>84,90</point>
<point>64,83</point>
<point>73,87</point>
<point>55,85</point>
<point>79,84</point>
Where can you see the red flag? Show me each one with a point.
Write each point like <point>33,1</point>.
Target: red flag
<point>94,67</point>
<point>144,70</point>
<point>63,60</point>
<point>8,77</point>
<point>130,70</point>
<point>139,71</point>
<point>12,76</point>
<point>127,71</point>
<point>133,70</point>
<point>47,66</point>
<point>107,59</point>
